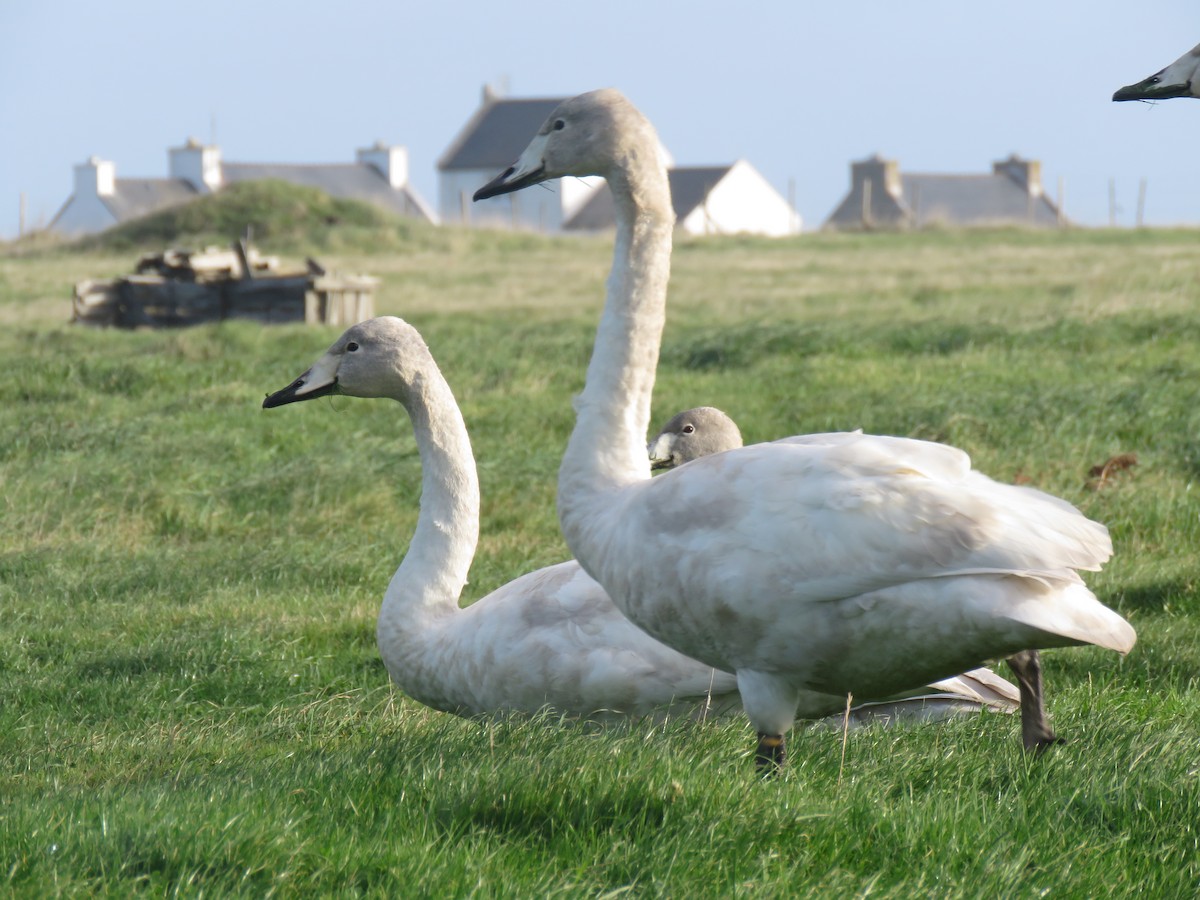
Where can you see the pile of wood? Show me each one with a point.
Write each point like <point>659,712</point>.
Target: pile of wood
<point>209,264</point>
<point>183,287</point>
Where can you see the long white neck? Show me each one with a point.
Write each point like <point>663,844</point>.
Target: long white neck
<point>427,586</point>
<point>607,449</point>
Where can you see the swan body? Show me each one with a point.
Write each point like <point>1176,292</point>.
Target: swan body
<point>811,567</point>
<point>1180,79</point>
<point>552,638</point>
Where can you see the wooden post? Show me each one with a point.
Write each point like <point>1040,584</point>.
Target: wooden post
<point>24,208</point>
<point>1112,203</point>
<point>916,206</point>
<point>239,247</point>
<point>463,207</point>
<point>1141,207</point>
<point>1062,200</point>
<point>866,203</point>
<point>792,217</point>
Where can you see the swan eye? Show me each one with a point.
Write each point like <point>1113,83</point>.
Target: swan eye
<point>352,346</point>
<point>1155,79</point>
<point>688,429</point>
<point>559,124</point>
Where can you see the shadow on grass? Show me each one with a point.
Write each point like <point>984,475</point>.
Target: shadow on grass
<point>1155,596</point>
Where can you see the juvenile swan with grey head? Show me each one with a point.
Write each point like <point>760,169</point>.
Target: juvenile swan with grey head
<point>810,567</point>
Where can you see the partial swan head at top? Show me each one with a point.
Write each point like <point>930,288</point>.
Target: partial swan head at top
<point>591,134</point>
<point>1180,79</point>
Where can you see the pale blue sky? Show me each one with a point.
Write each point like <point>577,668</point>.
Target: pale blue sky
<point>798,89</point>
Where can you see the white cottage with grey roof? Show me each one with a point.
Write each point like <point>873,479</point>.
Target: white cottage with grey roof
<point>379,175</point>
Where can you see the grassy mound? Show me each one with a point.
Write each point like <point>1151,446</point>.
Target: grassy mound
<point>285,216</point>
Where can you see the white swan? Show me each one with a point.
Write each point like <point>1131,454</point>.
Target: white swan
<point>1180,79</point>
<point>812,567</point>
<point>549,639</point>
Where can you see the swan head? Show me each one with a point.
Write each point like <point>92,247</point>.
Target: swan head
<point>691,434</point>
<point>1180,79</point>
<point>592,134</point>
<point>377,358</point>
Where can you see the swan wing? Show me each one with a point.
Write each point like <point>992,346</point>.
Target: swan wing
<point>855,513</point>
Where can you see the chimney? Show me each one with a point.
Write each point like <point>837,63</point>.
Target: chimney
<point>882,173</point>
<point>390,162</point>
<point>1025,172</point>
<point>96,177</point>
<point>196,164</point>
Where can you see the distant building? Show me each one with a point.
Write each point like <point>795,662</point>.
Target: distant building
<point>730,199</point>
<point>100,199</point>
<point>881,196</point>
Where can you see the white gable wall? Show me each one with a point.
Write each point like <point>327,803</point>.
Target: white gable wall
<point>575,193</point>
<point>86,211</point>
<point>743,202</point>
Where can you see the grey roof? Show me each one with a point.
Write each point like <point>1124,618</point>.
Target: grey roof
<point>690,186</point>
<point>995,198</point>
<point>497,133</point>
<point>133,197</point>
<point>355,181</point>
<point>973,200</point>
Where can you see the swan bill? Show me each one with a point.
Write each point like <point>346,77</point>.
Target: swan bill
<point>529,169</point>
<point>502,185</point>
<point>1153,89</point>
<point>296,392</point>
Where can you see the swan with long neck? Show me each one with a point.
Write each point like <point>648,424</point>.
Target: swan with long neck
<point>548,640</point>
<point>1180,79</point>
<point>811,567</point>
<point>551,639</point>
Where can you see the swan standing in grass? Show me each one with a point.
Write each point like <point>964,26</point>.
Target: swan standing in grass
<point>551,639</point>
<point>811,567</point>
<point>1180,79</point>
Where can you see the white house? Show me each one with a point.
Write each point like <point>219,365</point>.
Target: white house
<point>734,199</point>
<point>730,199</point>
<point>101,200</point>
<point>379,175</point>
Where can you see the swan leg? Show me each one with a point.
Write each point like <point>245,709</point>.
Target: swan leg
<point>1036,733</point>
<point>770,703</point>
<point>770,755</point>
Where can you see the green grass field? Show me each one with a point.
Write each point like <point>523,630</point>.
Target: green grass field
<point>191,701</point>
